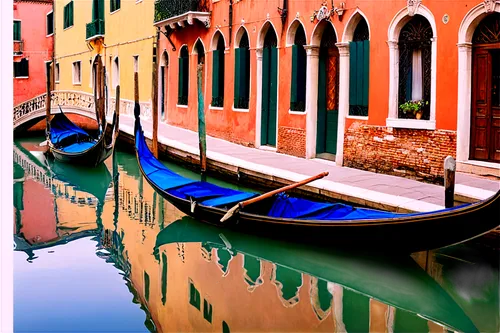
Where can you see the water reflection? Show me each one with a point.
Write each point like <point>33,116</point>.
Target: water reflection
<point>182,275</point>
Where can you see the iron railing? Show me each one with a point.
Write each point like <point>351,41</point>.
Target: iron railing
<point>95,28</point>
<point>165,9</point>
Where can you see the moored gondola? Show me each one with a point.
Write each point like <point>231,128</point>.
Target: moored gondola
<point>69,143</point>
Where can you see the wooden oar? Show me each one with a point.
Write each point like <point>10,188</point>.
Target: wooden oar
<point>245,203</point>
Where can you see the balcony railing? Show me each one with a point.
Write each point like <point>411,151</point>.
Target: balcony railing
<point>95,29</point>
<point>165,9</point>
<point>18,47</point>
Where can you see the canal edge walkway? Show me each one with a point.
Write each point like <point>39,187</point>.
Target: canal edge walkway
<point>360,187</point>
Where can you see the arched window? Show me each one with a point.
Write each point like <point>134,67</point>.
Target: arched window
<point>242,73</point>
<point>116,72</point>
<point>415,55</point>
<point>182,95</point>
<point>299,63</point>
<point>218,73</point>
<point>359,69</point>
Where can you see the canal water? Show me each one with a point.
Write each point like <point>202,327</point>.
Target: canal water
<point>98,250</point>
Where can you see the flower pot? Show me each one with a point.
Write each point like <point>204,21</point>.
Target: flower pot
<point>418,115</point>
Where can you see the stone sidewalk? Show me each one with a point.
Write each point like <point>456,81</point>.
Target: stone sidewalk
<point>352,185</point>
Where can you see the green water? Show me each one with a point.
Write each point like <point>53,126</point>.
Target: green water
<point>100,251</point>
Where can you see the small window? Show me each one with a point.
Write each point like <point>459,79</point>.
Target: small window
<point>56,74</point>
<point>242,73</point>
<point>17,31</point>
<point>183,89</point>
<point>115,5</point>
<point>50,23</point>
<point>77,72</point>
<point>116,72</point>
<point>68,15</point>
<point>359,70</point>
<point>21,68</point>
<point>136,63</point>
<point>299,64</point>
<point>218,73</point>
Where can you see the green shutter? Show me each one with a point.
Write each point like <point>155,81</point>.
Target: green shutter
<point>295,79</point>
<point>266,59</point>
<point>302,68</point>
<point>221,76</point>
<point>273,103</point>
<point>215,74</point>
<point>186,78</point>
<point>245,68</point>
<point>71,13</point>
<point>17,30</point>
<point>366,72</point>
<point>65,24</point>
<point>321,121</point>
<point>352,72</point>
<point>101,9</point>
<point>237,77</point>
<point>181,80</point>
<point>359,73</point>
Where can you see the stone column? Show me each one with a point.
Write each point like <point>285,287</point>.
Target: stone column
<point>343,100</point>
<point>464,100</point>
<point>258,107</point>
<point>311,99</point>
<point>393,78</point>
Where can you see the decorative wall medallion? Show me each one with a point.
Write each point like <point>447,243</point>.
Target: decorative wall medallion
<point>489,5</point>
<point>412,6</point>
<point>446,18</point>
<point>322,13</point>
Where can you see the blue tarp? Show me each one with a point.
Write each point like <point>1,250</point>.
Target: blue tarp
<point>62,128</point>
<point>78,147</point>
<point>205,193</point>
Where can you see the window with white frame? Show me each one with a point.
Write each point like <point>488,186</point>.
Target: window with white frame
<point>50,23</point>
<point>77,72</point>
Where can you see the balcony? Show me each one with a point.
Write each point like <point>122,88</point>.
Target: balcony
<point>176,13</point>
<point>95,29</point>
<point>18,47</point>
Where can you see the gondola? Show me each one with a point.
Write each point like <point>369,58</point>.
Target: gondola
<point>334,224</point>
<point>396,280</point>
<point>69,143</point>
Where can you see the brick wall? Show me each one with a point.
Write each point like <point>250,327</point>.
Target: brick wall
<point>292,141</point>
<point>409,153</point>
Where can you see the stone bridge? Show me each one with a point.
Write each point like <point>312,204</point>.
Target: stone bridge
<point>30,112</point>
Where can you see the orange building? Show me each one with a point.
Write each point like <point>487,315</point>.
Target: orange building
<point>33,47</point>
<point>323,79</point>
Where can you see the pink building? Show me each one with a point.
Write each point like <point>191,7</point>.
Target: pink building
<point>33,47</point>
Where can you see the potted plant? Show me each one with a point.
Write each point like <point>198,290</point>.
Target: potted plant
<point>414,108</point>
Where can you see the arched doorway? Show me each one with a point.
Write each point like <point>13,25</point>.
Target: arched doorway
<point>269,89</point>
<point>163,85</point>
<point>485,115</point>
<point>328,88</point>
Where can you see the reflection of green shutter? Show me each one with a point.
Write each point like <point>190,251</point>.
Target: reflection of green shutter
<point>295,83</point>
<point>164,271</point>
<point>207,311</point>
<point>215,74</point>
<point>237,77</point>
<point>146,286</point>
<point>194,296</point>
<point>355,311</point>
<point>408,322</point>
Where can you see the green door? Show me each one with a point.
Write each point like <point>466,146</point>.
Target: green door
<point>269,96</point>
<point>328,113</point>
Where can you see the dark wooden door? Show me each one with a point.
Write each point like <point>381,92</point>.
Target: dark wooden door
<point>269,96</point>
<point>328,113</point>
<point>485,122</point>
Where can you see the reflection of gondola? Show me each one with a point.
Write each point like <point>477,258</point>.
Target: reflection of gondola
<point>69,143</point>
<point>401,284</point>
<point>303,220</point>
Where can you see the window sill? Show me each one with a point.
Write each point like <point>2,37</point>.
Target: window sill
<point>71,26</point>
<point>240,110</point>
<point>411,123</point>
<point>357,117</point>
<point>216,108</point>
<point>182,106</point>
<point>111,13</point>
<point>50,35</point>
<point>77,83</point>
<point>22,77</point>
<point>300,113</point>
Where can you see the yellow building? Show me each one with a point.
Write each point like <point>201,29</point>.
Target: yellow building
<point>121,32</point>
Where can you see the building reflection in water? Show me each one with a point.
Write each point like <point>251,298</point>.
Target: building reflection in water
<point>192,277</point>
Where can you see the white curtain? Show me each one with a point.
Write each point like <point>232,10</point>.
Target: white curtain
<point>417,75</point>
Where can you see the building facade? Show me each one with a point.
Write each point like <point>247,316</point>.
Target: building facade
<point>33,47</point>
<point>118,33</point>
<point>339,82</point>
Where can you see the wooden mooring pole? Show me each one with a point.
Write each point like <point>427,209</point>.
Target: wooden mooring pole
<point>201,122</point>
<point>154,98</point>
<point>449,181</point>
